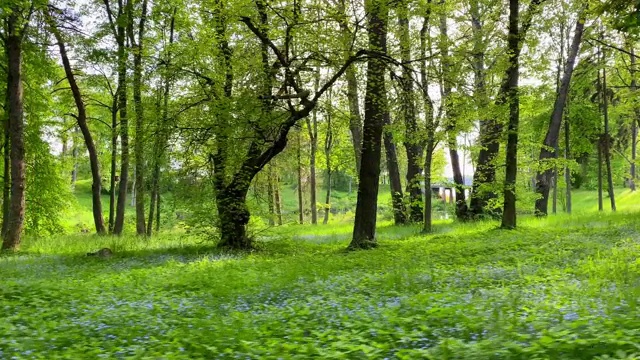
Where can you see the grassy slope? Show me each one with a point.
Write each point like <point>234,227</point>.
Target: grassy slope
<point>559,288</point>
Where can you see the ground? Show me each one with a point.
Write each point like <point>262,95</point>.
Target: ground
<point>565,287</point>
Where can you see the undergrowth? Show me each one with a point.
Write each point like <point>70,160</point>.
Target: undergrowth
<point>560,288</point>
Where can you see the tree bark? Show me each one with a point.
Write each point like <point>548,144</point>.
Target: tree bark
<point>634,122</point>
<point>300,197</point>
<point>364,229</point>
<point>114,165</point>
<point>328,147</point>
<point>430,128</point>
<point>13,43</point>
<point>312,126</point>
<point>395,184</point>
<point>607,140</point>
<point>567,170</point>
<point>96,186</point>
<point>141,229</point>
<point>270,197</point>
<point>234,215</point>
<point>278,200</point>
<point>122,20</point>
<point>548,150</point>
<point>413,138</point>
<point>6,186</point>
<point>513,49</point>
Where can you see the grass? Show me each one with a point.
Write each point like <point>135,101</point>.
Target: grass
<point>565,287</point>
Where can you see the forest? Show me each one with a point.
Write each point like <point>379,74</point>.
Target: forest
<point>339,179</point>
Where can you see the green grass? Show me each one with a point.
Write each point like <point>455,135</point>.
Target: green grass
<point>565,287</point>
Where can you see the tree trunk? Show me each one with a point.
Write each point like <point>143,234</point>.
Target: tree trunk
<point>567,170</point>
<point>161,135</point>
<point>600,202</point>
<point>634,123</point>
<point>96,186</point>
<point>543,179</point>
<point>328,147</point>
<point>270,197</point>
<point>74,154</point>
<point>481,196</point>
<point>431,125</point>
<point>278,201</point>
<point>6,187</point>
<point>118,226</point>
<point>413,137</point>
<point>513,49</point>
<point>607,139</point>
<point>234,215</point>
<point>490,133</point>
<point>461,201</point>
<point>300,198</point>
<point>428,227</point>
<point>364,229</point>
<point>355,119</point>
<point>141,229</point>
<point>114,159</point>
<point>13,44</point>
<point>312,125</point>
<point>395,184</point>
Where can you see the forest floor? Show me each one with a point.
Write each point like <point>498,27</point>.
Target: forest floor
<point>565,287</point>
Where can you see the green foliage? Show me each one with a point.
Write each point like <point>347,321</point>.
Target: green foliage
<point>553,289</point>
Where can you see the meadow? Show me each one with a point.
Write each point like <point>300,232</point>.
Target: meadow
<point>564,287</point>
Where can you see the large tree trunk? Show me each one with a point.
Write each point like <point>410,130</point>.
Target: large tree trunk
<point>96,186</point>
<point>491,131</point>
<point>548,150</point>
<point>139,110</point>
<point>513,49</point>
<point>395,184</point>
<point>364,229</point>
<point>118,226</point>
<point>234,215</point>
<point>413,137</point>
<point>13,44</point>
<point>6,186</point>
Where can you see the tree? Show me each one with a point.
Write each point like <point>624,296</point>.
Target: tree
<point>139,111</point>
<point>364,227</point>
<point>81,117</point>
<point>491,130</point>
<point>412,139</point>
<point>548,150</point>
<point>513,71</point>
<point>17,24</point>
<point>118,23</point>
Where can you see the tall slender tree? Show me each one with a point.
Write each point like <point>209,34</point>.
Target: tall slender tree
<point>550,144</point>
<point>364,229</point>
<point>81,117</point>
